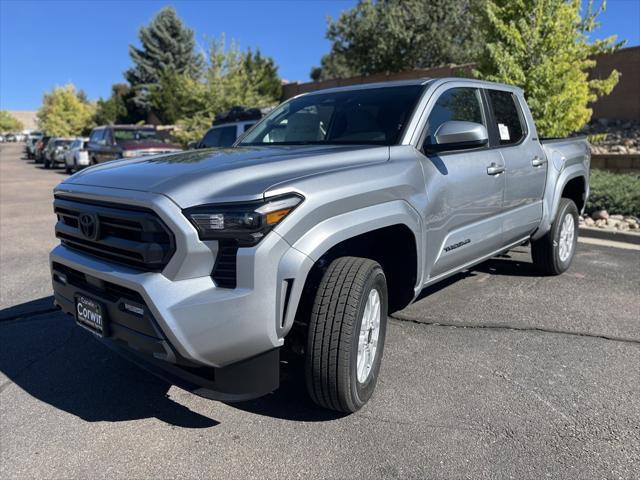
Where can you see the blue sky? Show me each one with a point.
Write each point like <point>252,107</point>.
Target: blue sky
<point>49,43</point>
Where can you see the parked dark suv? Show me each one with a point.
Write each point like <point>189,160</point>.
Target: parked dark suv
<point>126,141</point>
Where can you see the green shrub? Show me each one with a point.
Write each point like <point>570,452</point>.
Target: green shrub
<point>617,193</point>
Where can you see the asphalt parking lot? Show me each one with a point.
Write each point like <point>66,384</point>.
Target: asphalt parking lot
<point>498,373</point>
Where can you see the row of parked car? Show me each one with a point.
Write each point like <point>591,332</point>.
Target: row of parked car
<point>12,137</point>
<point>109,142</point>
<point>112,142</point>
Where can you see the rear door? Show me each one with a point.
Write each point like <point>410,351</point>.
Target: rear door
<point>525,163</point>
<point>464,187</point>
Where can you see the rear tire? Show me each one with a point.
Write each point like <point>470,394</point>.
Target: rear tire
<point>346,334</point>
<point>46,163</point>
<point>553,253</point>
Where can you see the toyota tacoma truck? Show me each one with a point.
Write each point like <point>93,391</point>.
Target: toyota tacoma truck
<point>334,210</point>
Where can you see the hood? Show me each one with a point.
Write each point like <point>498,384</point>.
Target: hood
<point>198,177</point>
<point>147,145</point>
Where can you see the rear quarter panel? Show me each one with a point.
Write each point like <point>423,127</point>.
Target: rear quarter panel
<point>568,159</point>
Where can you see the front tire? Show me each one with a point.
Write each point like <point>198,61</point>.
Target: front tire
<point>553,253</point>
<point>346,336</point>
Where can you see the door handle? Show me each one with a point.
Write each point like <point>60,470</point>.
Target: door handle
<point>495,169</point>
<point>538,162</point>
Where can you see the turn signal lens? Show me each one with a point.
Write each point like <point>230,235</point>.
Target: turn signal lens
<point>275,217</point>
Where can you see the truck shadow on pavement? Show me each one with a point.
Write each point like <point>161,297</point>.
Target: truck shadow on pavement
<point>45,354</point>
<point>50,358</point>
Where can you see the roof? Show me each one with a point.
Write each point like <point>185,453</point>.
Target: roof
<point>132,127</point>
<point>417,81</point>
<point>361,86</point>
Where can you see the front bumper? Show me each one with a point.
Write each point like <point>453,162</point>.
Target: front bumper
<point>191,329</point>
<point>135,334</point>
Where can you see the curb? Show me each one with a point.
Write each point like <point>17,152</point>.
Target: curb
<point>614,235</point>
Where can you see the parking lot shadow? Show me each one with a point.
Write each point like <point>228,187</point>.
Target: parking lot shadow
<point>53,360</point>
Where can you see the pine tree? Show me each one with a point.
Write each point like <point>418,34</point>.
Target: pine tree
<point>541,46</point>
<point>263,73</point>
<point>166,45</point>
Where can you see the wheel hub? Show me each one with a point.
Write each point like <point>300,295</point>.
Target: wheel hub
<point>368,338</point>
<point>567,233</point>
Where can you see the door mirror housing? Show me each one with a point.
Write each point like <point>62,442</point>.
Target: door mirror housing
<point>458,135</point>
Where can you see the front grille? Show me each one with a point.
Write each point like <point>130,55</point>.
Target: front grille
<point>224,271</point>
<point>129,235</point>
<point>105,290</point>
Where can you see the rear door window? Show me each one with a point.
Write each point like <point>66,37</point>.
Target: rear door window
<point>507,117</point>
<point>456,104</point>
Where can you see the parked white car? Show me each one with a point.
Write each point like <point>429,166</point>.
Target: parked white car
<point>77,156</point>
<point>31,141</point>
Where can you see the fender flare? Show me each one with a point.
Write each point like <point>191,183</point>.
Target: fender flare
<point>325,235</point>
<point>552,199</point>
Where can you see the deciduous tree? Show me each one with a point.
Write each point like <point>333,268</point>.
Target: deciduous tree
<point>119,107</point>
<point>64,113</point>
<point>9,123</point>
<point>541,46</point>
<point>395,35</point>
<point>230,80</point>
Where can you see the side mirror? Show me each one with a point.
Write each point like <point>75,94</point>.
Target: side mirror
<point>457,135</point>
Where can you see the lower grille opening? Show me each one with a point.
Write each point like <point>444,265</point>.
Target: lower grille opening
<point>224,272</point>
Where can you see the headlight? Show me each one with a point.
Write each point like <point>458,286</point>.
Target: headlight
<point>247,223</point>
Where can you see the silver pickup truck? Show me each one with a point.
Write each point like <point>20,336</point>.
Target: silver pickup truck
<point>336,209</point>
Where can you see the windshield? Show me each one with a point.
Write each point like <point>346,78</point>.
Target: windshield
<point>368,116</point>
<point>135,134</point>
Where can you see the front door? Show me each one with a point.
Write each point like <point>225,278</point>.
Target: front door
<point>465,189</point>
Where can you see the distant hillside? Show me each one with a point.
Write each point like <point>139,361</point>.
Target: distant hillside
<point>28,119</point>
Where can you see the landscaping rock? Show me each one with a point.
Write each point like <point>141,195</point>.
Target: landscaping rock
<point>589,222</point>
<point>600,215</point>
<point>613,136</point>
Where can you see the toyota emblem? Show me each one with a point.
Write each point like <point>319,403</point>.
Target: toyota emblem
<point>89,225</point>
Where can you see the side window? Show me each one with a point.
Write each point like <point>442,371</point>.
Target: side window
<point>462,104</point>
<point>219,137</point>
<point>228,135</point>
<point>108,138</point>
<point>507,117</point>
<point>211,138</point>
<point>247,126</point>
<point>95,136</point>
